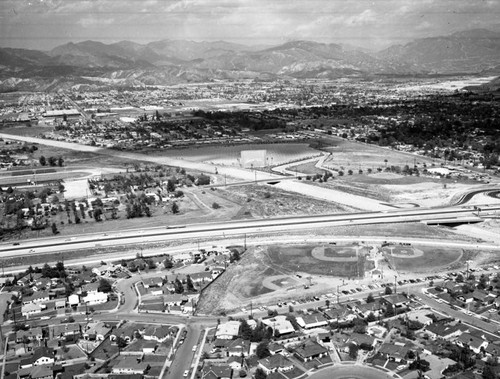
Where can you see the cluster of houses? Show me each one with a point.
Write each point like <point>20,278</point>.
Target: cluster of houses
<point>471,293</point>
<point>161,294</point>
<point>396,331</point>
<point>45,357</point>
<point>50,296</point>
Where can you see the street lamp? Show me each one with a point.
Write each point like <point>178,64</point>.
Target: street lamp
<point>395,284</point>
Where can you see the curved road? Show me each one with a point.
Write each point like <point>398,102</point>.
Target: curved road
<point>350,372</point>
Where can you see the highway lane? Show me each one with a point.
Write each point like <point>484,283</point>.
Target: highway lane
<point>232,228</point>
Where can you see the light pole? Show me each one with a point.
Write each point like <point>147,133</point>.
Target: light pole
<point>395,284</point>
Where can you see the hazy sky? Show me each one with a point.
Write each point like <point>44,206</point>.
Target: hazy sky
<point>44,24</point>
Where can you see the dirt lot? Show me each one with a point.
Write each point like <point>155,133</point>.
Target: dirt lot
<point>265,201</point>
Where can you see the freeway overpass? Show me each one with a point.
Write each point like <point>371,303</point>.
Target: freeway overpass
<point>238,228</point>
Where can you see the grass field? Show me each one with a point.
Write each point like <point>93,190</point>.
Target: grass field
<point>432,259</point>
<point>299,259</point>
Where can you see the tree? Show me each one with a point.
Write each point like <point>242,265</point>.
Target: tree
<point>52,161</point>
<point>215,205</point>
<point>167,263</point>
<point>359,326</point>
<point>179,288</point>
<point>353,351</point>
<point>371,317</point>
<point>189,284</point>
<point>245,331</point>
<point>42,160</point>
<point>54,228</point>
<point>260,374</point>
<point>388,290</point>
<point>60,161</point>
<point>262,350</point>
<point>104,286</point>
<point>489,372</point>
<point>370,298</point>
<point>175,208</point>
<point>170,185</point>
<point>327,303</point>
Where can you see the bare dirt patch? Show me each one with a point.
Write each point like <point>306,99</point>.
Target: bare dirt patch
<point>266,201</point>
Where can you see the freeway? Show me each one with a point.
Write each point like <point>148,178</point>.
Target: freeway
<point>232,228</point>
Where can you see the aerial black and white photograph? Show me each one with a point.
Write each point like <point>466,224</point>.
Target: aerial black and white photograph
<point>261,189</point>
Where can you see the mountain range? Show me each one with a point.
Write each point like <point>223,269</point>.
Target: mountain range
<point>95,65</point>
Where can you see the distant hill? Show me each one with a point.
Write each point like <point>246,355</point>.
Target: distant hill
<point>127,63</point>
<point>470,51</point>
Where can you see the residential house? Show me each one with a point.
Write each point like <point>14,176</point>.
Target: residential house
<point>236,363</point>
<point>279,324</point>
<point>33,334</point>
<point>32,309</point>
<point>73,300</point>
<point>41,356</point>
<point>340,315</point>
<point>228,330</point>
<point>396,351</point>
<point>275,363</point>
<point>154,282</point>
<point>94,298</point>
<point>174,300</point>
<point>314,320</point>
<point>476,344</point>
<point>36,372</point>
<point>310,350</point>
<point>149,347</point>
<point>238,348</point>
<point>96,331</point>
<point>445,331</point>
<point>217,372</point>
<point>361,339</point>
<point>158,333</point>
<point>124,331</point>
<point>396,300</point>
<point>36,298</point>
<point>130,365</point>
<point>420,315</point>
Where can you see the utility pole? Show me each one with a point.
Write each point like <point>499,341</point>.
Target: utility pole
<point>395,284</point>
<point>338,297</point>
<point>245,240</point>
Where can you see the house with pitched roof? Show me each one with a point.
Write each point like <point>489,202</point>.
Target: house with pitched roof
<point>130,365</point>
<point>310,350</point>
<point>158,333</point>
<point>445,331</point>
<point>473,342</point>
<point>275,363</point>
<point>32,309</point>
<point>314,320</point>
<point>396,351</point>
<point>238,347</point>
<point>41,356</point>
<point>217,372</point>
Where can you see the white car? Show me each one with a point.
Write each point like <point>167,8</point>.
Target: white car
<point>186,373</point>
<point>195,347</point>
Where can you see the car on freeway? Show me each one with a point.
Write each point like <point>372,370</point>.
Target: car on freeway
<point>195,347</point>
<point>16,244</point>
